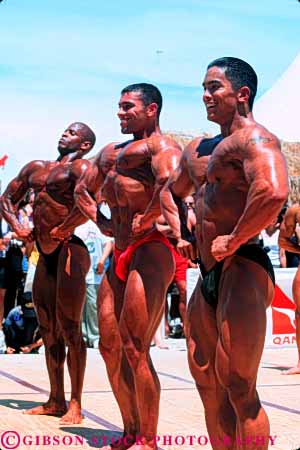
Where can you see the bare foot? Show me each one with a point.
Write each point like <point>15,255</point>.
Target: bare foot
<point>73,415</point>
<point>292,371</point>
<point>49,408</point>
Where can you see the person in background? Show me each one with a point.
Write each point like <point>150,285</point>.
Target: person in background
<point>100,247</point>
<point>289,240</point>
<point>21,328</point>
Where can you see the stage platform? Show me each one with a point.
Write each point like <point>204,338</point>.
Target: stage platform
<point>24,384</point>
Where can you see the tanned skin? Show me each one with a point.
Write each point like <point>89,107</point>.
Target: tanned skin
<point>240,189</point>
<point>58,297</point>
<point>290,227</point>
<point>129,312</point>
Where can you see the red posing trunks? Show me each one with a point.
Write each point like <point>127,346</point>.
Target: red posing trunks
<point>181,266</point>
<point>123,257</point>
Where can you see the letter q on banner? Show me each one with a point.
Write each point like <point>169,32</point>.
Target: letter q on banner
<point>281,327</point>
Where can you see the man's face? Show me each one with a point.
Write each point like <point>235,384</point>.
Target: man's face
<point>70,140</point>
<point>219,96</point>
<point>189,201</point>
<point>132,113</point>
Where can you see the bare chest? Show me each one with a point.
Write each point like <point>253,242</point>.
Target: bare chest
<point>122,191</point>
<point>134,161</point>
<point>38,179</point>
<point>226,166</point>
<point>60,184</point>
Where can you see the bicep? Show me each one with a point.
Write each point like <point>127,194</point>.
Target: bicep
<point>266,164</point>
<point>164,164</point>
<point>90,180</point>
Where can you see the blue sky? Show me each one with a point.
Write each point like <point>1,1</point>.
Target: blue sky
<point>64,61</point>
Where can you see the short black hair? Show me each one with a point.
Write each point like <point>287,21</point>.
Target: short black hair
<point>239,73</point>
<point>86,133</point>
<point>149,94</point>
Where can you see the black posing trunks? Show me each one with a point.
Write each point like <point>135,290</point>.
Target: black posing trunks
<point>211,279</point>
<point>51,259</point>
<point>207,145</point>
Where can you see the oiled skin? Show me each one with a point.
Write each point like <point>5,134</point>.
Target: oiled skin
<point>240,189</point>
<point>58,295</point>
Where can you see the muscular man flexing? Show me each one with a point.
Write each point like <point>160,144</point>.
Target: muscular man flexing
<point>59,284</point>
<point>240,189</point>
<point>132,295</point>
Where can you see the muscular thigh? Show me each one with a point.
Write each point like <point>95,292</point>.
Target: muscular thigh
<point>296,288</point>
<point>73,265</point>
<point>150,274</point>
<point>245,292</point>
<point>44,294</point>
<point>202,335</point>
<point>109,307</point>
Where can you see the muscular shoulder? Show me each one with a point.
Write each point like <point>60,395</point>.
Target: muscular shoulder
<point>192,146</point>
<point>190,151</point>
<point>108,151</point>
<point>79,166</point>
<point>257,138</point>
<point>162,143</point>
<point>32,167</point>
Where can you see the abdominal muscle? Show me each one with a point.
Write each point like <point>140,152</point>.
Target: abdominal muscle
<point>47,215</point>
<point>126,197</point>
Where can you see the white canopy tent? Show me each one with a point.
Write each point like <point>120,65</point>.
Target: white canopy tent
<point>277,109</point>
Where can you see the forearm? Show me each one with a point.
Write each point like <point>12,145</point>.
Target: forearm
<point>164,229</point>
<point>170,211</point>
<point>36,344</point>
<point>262,207</point>
<point>153,210</point>
<point>9,214</point>
<point>73,220</point>
<point>86,203</point>
<point>282,258</point>
<point>288,245</point>
<point>106,251</point>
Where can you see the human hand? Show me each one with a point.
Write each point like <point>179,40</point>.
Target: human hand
<point>58,235</point>
<point>141,223</point>
<point>25,234</point>
<point>26,349</point>
<point>223,246</point>
<point>186,249</point>
<point>100,268</point>
<point>10,350</point>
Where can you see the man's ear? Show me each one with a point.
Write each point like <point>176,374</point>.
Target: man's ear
<point>243,100</point>
<point>152,109</point>
<point>86,146</point>
<point>244,94</point>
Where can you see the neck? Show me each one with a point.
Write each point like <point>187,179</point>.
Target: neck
<point>70,157</point>
<point>236,123</point>
<point>147,132</point>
